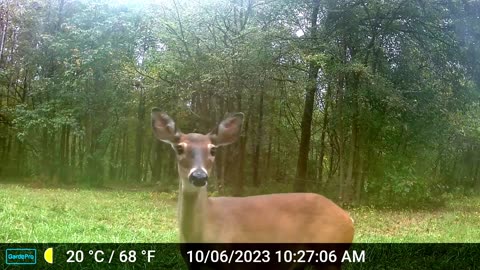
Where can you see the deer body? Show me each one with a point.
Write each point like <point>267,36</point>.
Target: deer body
<point>271,219</point>
<point>276,218</point>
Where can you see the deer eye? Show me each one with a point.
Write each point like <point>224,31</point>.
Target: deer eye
<point>180,149</point>
<point>213,151</point>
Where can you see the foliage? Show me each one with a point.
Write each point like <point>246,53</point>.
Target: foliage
<point>359,100</point>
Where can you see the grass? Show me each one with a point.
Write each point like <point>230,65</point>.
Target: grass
<point>82,216</point>
<point>457,222</point>
<point>61,215</point>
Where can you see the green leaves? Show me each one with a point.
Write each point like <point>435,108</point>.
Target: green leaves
<point>397,81</point>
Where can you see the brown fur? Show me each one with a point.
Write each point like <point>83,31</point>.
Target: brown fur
<point>277,218</point>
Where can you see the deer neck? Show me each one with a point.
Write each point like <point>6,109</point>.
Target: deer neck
<point>192,211</point>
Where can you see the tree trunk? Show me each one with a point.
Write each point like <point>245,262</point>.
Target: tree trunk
<point>306,125</point>
<point>66,157</point>
<point>81,155</point>
<point>221,159</point>
<point>240,177</point>
<point>353,153</point>
<point>124,156</point>
<point>220,169</point>
<point>269,158</point>
<point>323,135</point>
<point>156,161</point>
<point>6,20</point>
<point>111,167</point>
<point>61,160</point>
<point>340,127</point>
<point>477,175</point>
<point>359,180</point>
<point>138,168</point>
<point>20,168</point>
<point>45,153</point>
<point>258,142</point>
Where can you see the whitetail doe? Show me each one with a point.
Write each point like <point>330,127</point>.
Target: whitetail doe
<point>276,218</point>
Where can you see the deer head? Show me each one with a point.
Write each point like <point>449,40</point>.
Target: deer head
<point>195,152</point>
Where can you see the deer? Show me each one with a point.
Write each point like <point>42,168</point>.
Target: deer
<point>274,218</point>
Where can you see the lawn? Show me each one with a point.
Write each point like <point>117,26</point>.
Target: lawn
<point>78,215</point>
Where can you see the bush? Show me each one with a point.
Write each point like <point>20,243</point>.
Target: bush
<point>405,188</point>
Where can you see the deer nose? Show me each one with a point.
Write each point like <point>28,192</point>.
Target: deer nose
<point>198,178</point>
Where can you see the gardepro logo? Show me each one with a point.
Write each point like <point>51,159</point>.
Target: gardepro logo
<point>18,256</point>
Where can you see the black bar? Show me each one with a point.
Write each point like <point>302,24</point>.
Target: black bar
<point>248,256</point>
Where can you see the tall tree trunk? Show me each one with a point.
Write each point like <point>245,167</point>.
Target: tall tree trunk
<point>20,163</point>
<point>331,169</point>
<point>3,151</point>
<point>477,175</point>
<point>81,155</point>
<point>45,153</point>
<point>258,142</point>
<point>278,153</point>
<point>269,158</point>
<point>240,177</point>
<point>147,160</point>
<point>353,153</point>
<point>138,168</point>
<point>323,135</point>
<point>221,159</point>
<point>3,38</point>
<point>359,179</point>
<point>220,169</point>
<point>156,165</point>
<point>340,126</point>
<point>306,126</point>
<point>124,156</point>
<point>67,145</point>
<point>111,167</point>
<point>61,160</point>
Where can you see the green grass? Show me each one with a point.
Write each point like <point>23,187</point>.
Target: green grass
<point>76,215</point>
<point>61,215</point>
<point>457,222</point>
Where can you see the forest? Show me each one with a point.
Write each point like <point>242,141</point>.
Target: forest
<point>361,100</point>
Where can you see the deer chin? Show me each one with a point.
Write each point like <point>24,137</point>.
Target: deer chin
<point>187,186</point>
<point>199,183</point>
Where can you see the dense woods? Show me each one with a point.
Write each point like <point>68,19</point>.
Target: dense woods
<point>359,100</point>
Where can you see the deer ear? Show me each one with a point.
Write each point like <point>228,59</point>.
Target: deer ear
<point>164,127</point>
<point>228,131</point>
